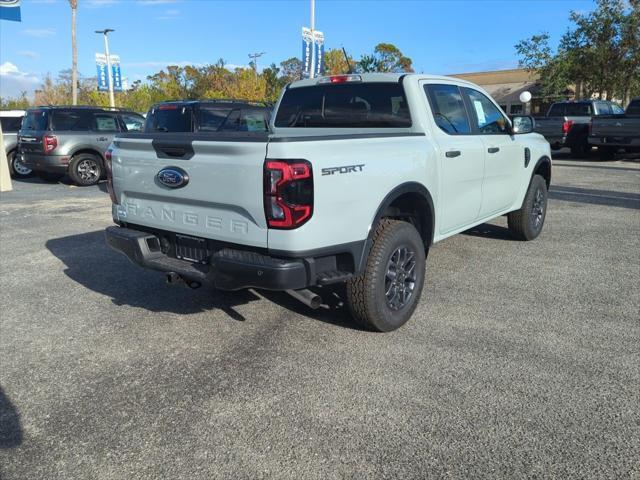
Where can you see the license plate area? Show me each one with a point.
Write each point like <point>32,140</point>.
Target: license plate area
<point>193,249</point>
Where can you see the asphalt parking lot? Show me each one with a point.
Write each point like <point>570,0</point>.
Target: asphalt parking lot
<point>522,360</point>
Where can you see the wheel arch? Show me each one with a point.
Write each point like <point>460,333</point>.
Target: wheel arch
<point>410,201</point>
<point>88,150</point>
<point>542,168</point>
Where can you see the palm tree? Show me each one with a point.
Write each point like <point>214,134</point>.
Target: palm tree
<point>74,47</point>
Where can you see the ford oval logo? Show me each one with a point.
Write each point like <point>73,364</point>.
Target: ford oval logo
<point>173,177</point>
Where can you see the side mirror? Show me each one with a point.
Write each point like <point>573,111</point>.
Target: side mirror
<point>522,124</point>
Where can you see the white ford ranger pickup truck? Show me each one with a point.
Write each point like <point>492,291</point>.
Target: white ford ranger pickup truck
<point>358,176</point>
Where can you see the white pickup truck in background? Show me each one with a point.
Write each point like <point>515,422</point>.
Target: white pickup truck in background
<point>357,178</point>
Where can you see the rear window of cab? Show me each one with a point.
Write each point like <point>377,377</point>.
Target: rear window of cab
<point>347,105</point>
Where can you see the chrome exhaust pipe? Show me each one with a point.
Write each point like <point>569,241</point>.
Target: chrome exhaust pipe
<point>307,297</point>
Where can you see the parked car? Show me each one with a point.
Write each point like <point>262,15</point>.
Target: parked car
<point>567,123</point>
<point>359,177</point>
<point>11,121</point>
<point>208,116</point>
<point>610,133</point>
<point>54,141</point>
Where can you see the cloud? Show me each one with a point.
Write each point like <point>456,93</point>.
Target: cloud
<point>39,32</point>
<point>14,81</point>
<point>28,54</point>
<point>156,2</point>
<point>170,14</point>
<point>100,3</point>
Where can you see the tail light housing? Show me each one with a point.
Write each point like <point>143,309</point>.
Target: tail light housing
<point>108,155</point>
<point>288,193</point>
<point>566,126</point>
<point>50,143</point>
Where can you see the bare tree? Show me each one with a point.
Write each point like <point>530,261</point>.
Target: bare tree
<point>74,48</point>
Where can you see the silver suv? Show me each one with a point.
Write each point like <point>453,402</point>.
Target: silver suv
<point>54,141</point>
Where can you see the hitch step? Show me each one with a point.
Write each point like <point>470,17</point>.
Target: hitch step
<point>326,278</point>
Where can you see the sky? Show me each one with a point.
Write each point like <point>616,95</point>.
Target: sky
<point>440,36</point>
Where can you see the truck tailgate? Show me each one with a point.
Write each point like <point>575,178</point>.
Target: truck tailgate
<point>549,127</point>
<point>616,126</point>
<point>222,198</point>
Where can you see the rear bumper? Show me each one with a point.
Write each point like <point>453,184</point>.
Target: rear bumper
<point>40,162</point>
<point>619,142</point>
<point>227,268</point>
<point>556,141</point>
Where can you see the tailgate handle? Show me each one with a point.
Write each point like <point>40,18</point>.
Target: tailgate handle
<point>173,149</point>
<point>174,152</point>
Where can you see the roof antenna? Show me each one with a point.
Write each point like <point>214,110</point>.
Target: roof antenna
<point>346,57</point>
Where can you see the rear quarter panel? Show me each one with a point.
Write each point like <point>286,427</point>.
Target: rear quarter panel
<point>345,204</point>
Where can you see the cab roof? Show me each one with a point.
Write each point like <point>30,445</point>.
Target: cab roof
<point>377,78</point>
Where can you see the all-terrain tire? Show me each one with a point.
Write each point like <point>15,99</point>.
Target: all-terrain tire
<point>527,223</point>
<point>16,168</point>
<point>368,295</point>
<point>85,169</point>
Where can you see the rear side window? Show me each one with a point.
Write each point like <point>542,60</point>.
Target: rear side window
<point>253,121</point>
<point>169,118</point>
<point>105,123</point>
<point>556,110</point>
<point>133,123</point>
<point>70,120</point>
<point>10,124</point>
<point>448,108</point>
<point>35,120</point>
<point>348,105</point>
<point>634,108</point>
<point>211,119</point>
<point>616,109</point>
<point>604,108</point>
<point>578,109</point>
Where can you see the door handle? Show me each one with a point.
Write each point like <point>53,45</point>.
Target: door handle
<point>493,150</point>
<point>453,153</point>
<point>102,139</point>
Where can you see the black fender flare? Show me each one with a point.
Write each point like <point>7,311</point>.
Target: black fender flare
<point>542,160</point>
<point>408,187</point>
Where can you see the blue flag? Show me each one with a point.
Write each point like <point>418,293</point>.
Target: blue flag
<point>10,10</point>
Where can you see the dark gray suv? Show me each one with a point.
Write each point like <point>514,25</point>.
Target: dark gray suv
<point>55,141</point>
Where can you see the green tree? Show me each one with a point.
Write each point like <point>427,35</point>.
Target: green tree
<point>335,62</point>
<point>386,57</point>
<point>291,69</point>
<point>18,103</point>
<point>599,53</point>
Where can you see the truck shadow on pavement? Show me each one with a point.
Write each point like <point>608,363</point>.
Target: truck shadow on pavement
<point>10,428</point>
<point>92,264</point>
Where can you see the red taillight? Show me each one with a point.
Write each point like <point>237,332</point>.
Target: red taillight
<point>50,142</point>
<point>566,126</point>
<point>108,155</point>
<point>288,193</point>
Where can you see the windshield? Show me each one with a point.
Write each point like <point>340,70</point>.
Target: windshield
<point>348,105</point>
<point>35,120</point>
<point>169,118</point>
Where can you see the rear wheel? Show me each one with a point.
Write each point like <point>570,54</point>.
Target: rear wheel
<point>527,223</point>
<point>49,176</point>
<point>385,295</point>
<point>18,169</point>
<point>581,149</point>
<point>85,169</point>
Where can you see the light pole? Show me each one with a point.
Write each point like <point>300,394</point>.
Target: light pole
<point>312,26</point>
<point>105,32</point>
<point>254,57</point>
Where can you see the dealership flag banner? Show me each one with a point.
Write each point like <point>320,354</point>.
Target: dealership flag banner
<point>318,65</point>
<point>307,51</point>
<point>10,10</point>
<point>103,77</point>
